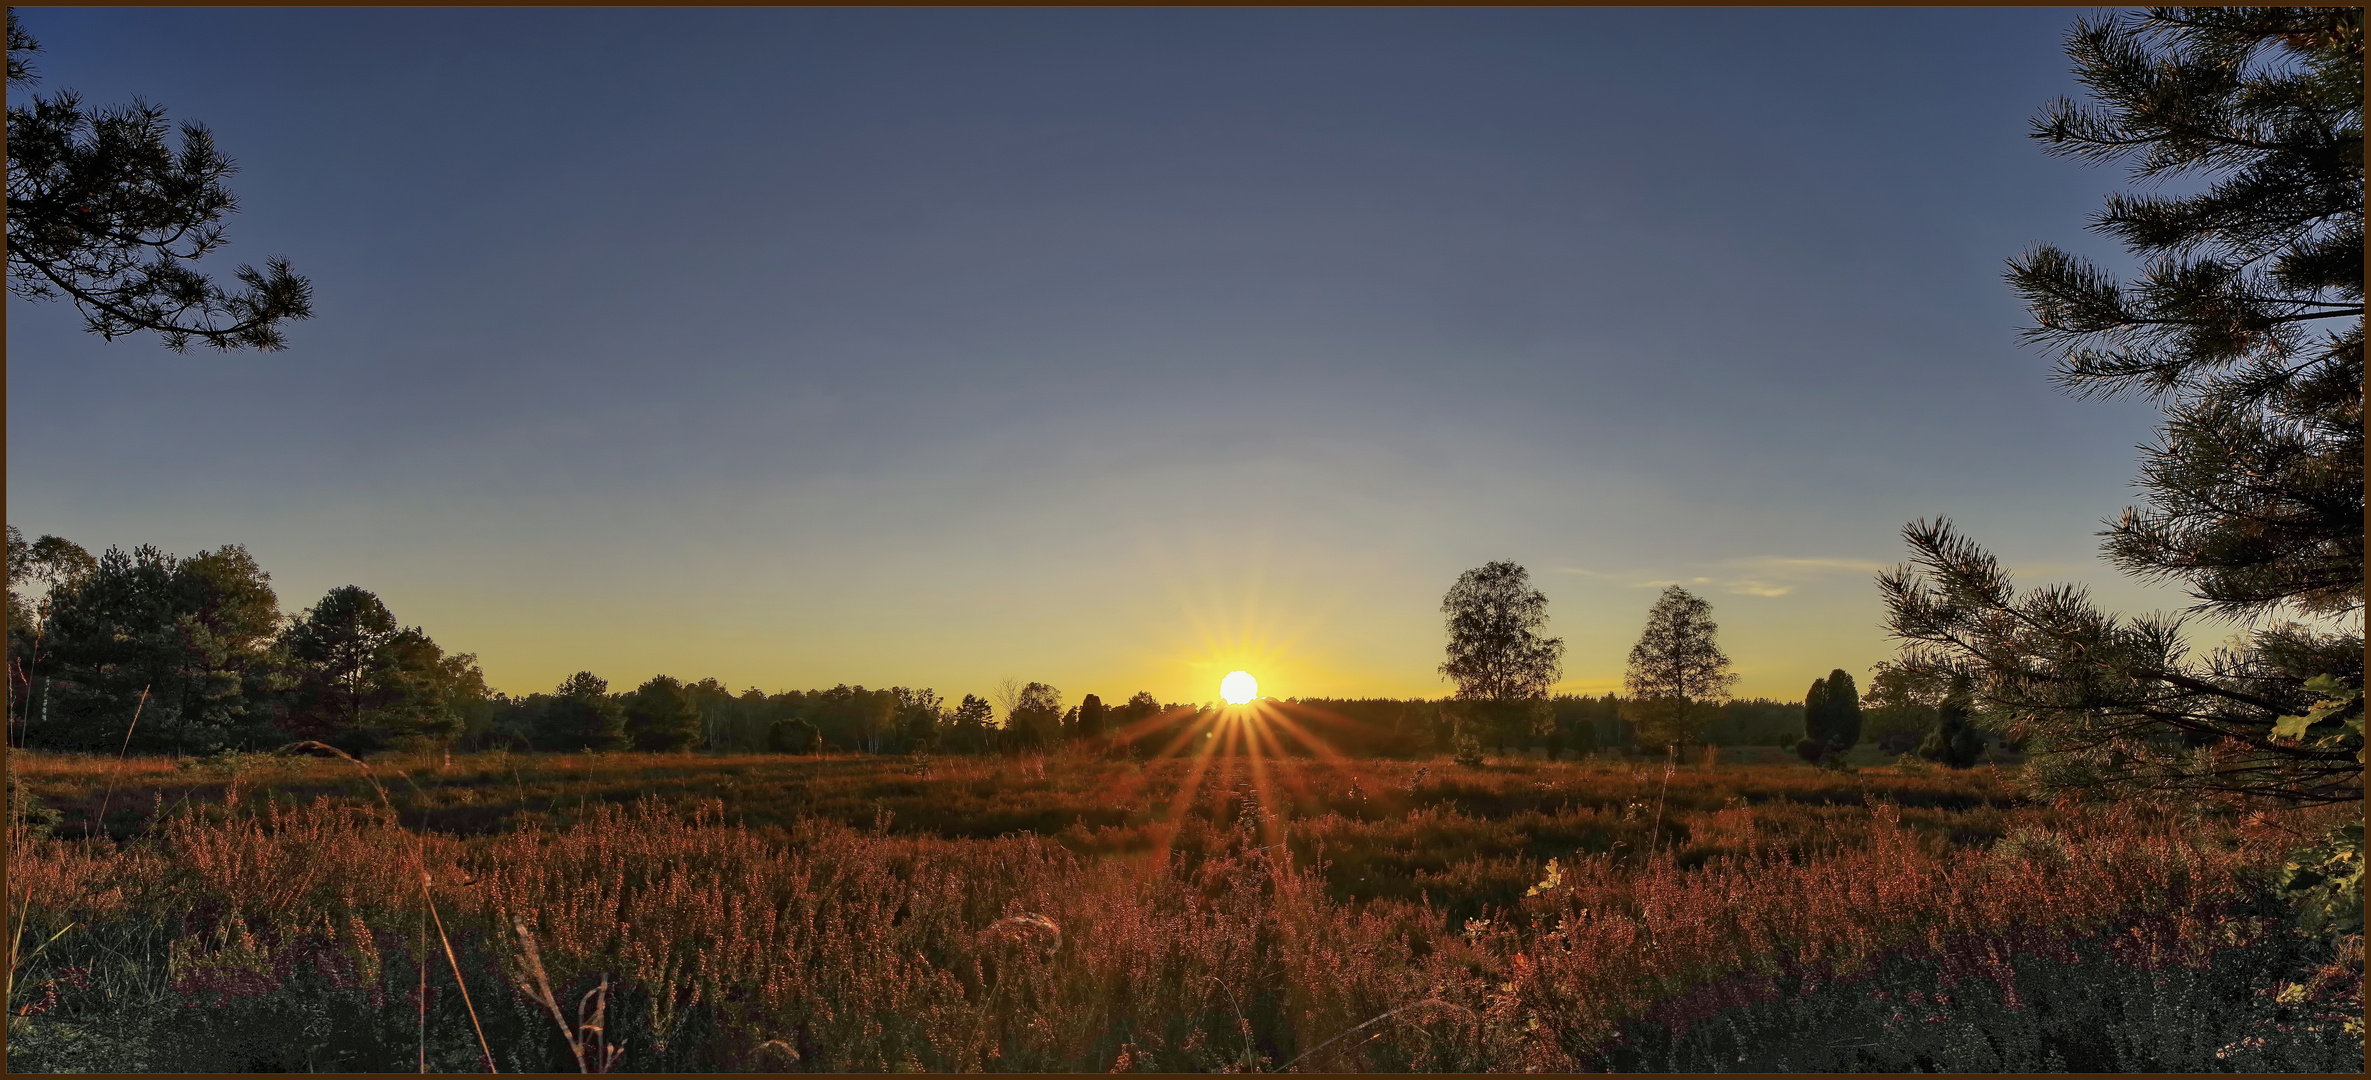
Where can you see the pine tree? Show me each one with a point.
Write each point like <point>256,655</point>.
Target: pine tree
<point>972,723</point>
<point>661,717</point>
<point>102,211</point>
<point>581,716</point>
<point>1814,745</point>
<point>2247,318</point>
<point>2246,325</point>
<point>1831,716</point>
<point>1954,741</point>
<point>1844,710</point>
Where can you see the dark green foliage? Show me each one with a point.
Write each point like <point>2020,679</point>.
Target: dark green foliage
<point>1676,671</point>
<point>581,716</point>
<point>854,717</point>
<point>363,682</point>
<point>1511,725</point>
<point>918,730</point>
<point>969,728</point>
<point>661,717</point>
<point>1751,722</point>
<point>1090,718</point>
<point>1843,724</point>
<point>102,211</point>
<point>2246,327</point>
<point>793,736</point>
<point>1831,716</point>
<point>202,637</point>
<point>921,715</point>
<point>185,645</point>
<point>2326,881</point>
<point>2247,317</point>
<point>1901,708</point>
<point>1035,722</point>
<point>48,562</point>
<point>1495,652</point>
<point>1954,741</point>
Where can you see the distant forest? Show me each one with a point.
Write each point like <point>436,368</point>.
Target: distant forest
<point>147,652</point>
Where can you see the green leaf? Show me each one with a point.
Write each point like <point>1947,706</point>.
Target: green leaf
<point>2327,685</point>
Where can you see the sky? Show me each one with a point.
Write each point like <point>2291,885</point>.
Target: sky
<point>1114,349</point>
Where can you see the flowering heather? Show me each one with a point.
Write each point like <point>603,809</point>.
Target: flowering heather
<point>1340,918</point>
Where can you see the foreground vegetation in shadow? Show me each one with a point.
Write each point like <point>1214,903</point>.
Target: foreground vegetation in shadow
<point>1088,914</point>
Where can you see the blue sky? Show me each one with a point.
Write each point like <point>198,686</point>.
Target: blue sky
<point>1115,349</point>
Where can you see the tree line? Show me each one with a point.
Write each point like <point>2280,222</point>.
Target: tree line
<point>145,651</point>
<point>142,651</point>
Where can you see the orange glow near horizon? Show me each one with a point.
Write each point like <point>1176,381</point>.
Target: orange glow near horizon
<point>1231,612</point>
<point>1229,749</point>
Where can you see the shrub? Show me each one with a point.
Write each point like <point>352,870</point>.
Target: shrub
<point>793,736</point>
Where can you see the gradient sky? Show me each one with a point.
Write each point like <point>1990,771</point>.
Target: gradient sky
<point>1114,349</point>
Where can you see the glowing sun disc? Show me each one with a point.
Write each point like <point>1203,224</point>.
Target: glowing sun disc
<point>1238,687</point>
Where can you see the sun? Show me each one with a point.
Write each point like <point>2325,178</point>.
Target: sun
<point>1238,687</point>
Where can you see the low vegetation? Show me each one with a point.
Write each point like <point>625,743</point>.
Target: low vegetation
<point>1075,913</point>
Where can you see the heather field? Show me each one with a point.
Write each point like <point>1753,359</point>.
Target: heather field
<point>1079,913</point>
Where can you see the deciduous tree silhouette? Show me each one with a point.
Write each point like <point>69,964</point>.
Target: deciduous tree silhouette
<point>1676,669</point>
<point>1495,651</point>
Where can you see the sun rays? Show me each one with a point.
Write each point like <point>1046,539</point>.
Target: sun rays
<point>1231,621</point>
<point>1230,750</point>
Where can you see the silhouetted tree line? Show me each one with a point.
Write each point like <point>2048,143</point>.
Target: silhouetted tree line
<point>1561,725</point>
<point>154,653</point>
<point>149,652</point>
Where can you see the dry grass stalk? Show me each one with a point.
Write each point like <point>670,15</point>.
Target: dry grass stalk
<point>588,1039</point>
<point>428,899</point>
<point>849,948</point>
<point>119,756</point>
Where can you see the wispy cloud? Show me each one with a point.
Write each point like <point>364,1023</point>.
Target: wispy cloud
<point>1784,563</point>
<point>1757,575</point>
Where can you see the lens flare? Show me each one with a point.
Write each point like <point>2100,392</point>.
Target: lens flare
<point>1238,687</point>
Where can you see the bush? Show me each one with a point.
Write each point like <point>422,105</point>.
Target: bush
<point>793,736</point>
<point>1900,741</point>
<point>27,812</point>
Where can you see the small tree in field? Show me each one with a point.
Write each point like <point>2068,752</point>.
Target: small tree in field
<point>1954,741</point>
<point>1675,671</point>
<point>1831,716</point>
<point>793,736</point>
<point>1495,651</point>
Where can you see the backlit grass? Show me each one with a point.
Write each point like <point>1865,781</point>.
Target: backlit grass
<point>1074,913</point>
